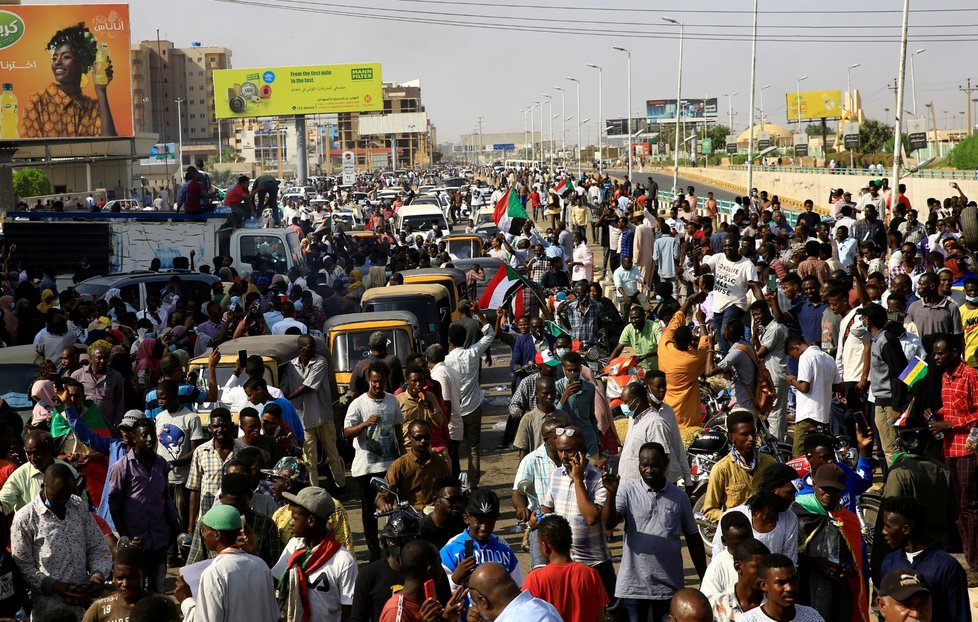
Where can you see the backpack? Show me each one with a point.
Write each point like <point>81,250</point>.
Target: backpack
<point>765,396</point>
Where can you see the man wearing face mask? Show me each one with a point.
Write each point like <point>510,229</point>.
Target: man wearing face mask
<point>577,398</point>
<point>646,424</point>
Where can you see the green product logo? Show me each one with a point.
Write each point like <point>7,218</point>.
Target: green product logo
<point>11,29</point>
<point>362,73</point>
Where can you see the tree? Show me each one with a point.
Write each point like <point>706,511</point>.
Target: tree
<point>31,182</point>
<point>719,135</point>
<point>229,156</point>
<point>873,136</point>
<point>965,154</point>
<point>815,129</point>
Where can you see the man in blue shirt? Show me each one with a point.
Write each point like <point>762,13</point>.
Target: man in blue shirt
<point>904,519</point>
<point>576,397</point>
<point>819,449</point>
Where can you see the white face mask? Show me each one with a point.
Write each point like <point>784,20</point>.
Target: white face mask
<point>655,401</point>
<point>561,352</point>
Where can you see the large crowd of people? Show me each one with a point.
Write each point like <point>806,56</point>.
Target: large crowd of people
<point>135,490</point>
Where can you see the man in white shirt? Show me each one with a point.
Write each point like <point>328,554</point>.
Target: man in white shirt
<point>780,584</point>
<point>582,264</point>
<point>465,361</point>
<point>733,275</point>
<point>451,392</point>
<point>817,378</point>
<point>288,321</point>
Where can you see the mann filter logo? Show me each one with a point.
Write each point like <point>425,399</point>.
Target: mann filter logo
<point>364,73</point>
<point>11,29</point>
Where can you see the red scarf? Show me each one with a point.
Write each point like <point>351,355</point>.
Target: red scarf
<point>305,563</point>
<point>852,534</point>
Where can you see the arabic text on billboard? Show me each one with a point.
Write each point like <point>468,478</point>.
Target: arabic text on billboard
<point>814,105</point>
<point>286,91</point>
<point>53,55</point>
<point>665,109</point>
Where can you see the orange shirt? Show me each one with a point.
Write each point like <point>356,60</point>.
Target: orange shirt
<point>683,370</point>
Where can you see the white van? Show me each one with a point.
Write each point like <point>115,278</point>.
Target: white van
<point>419,217</point>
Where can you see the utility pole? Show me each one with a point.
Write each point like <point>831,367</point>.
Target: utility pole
<point>967,90</point>
<point>481,146</point>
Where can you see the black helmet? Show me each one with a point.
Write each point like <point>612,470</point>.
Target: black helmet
<point>402,524</point>
<point>708,442</point>
<point>914,440</point>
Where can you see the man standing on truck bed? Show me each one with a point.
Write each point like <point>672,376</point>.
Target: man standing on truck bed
<point>266,190</point>
<point>241,202</point>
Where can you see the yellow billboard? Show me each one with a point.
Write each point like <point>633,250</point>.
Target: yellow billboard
<point>814,105</point>
<point>286,91</point>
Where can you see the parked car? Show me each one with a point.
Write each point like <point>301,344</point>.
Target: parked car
<point>140,283</point>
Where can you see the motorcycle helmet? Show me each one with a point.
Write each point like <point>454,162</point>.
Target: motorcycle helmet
<point>914,440</point>
<point>402,524</point>
<point>708,442</point>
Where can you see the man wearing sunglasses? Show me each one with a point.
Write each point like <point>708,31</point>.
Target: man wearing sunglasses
<point>576,493</point>
<point>412,476</point>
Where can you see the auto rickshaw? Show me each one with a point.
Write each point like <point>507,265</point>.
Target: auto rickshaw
<point>463,245</point>
<point>348,335</point>
<point>429,303</point>
<point>275,351</point>
<point>452,278</point>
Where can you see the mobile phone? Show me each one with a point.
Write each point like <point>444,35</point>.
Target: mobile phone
<point>242,357</point>
<point>469,548</point>
<point>772,282</point>
<point>429,590</point>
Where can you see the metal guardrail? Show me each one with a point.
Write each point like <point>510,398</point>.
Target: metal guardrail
<point>725,208</point>
<point>930,173</point>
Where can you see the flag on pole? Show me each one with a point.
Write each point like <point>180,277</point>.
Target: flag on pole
<point>565,186</point>
<point>901,421</point>
<point>509,214</point>
<point>916,369</point>
<point>555,330</point>
<point>507,285</point>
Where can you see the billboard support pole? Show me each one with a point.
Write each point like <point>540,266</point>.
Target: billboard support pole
<point>301,151</point>
<point>750,117</point>
<point>897,139</point>
<point>6,177</point>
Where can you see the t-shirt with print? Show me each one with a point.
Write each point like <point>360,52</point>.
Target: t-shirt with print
<point>13,589</point>
<point>731,281</point>
<point>376,447</point>
<point>330,587</point>
<point>175,431</point>
<point>109,609</point>
<point>802,614</point>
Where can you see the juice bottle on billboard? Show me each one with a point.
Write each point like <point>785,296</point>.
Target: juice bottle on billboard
<point>8,112</point>
<point>100,77</point>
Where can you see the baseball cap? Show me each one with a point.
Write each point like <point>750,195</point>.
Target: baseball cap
<point>222,518</point>
<point>289,468</point>
<point>875,313</point>
<point>315,500</point>
<point>830,476</point>
<point>131,417</point>
<point>546,357</point>
<point>903,583</point>
<point>483,502</point>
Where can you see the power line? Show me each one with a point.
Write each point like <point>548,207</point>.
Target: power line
<point>322,8</point>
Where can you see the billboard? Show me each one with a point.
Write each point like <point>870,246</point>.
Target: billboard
<point>401,123</point>
<point>161,153</point>
<point>665,109</point>
<point>287,91</point>
<point>55,55</point>
<point>814,105</point>
<point>801,144</point>
<point>620,127</point>
<point>850,135</point>
<point>916,134</point>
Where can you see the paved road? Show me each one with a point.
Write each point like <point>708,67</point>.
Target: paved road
<point>664,179</point>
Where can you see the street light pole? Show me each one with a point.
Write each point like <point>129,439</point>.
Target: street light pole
<point>730,97</point>
<point>542,103</point>
<point>525,136</point>
<point>179,101</point>
<point>761,91</point>
<point>849,88</point>
<point>913,80</point>
<point>679,100</point>
<point>601,116</point>
<point>563,120</point>
<point>750,117</point>
<point>798,99</point>
<point>577,83</point>
<point>628,109</point>
<point>550,114</point>
<point>533,144</point>
<point>901,77</point>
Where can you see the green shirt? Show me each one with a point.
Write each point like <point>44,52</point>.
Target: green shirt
<point>643,342</point>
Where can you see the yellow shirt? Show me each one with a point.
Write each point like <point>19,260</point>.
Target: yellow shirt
<point>969,322</point>
<point>731,485</point>
<point>337,522</point>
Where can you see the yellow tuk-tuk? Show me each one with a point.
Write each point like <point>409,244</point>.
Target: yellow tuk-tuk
<point>451,278</point>
<point>463,245</point>
<point>275,351</point>
<point>348,334</point>
<point>429,303</point>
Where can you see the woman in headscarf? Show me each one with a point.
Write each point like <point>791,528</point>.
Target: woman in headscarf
<point>48,301</point>
<point>472,278</point>
<point>42,392</point>
<point>356,288</point>
<point>146,369</point>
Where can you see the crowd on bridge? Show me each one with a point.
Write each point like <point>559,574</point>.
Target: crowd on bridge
<point>782,338</point>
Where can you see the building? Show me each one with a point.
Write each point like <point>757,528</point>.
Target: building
<point>163,74</point>
<point>414,149</point>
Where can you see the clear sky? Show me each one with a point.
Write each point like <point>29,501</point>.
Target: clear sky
<point>494,58</point>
